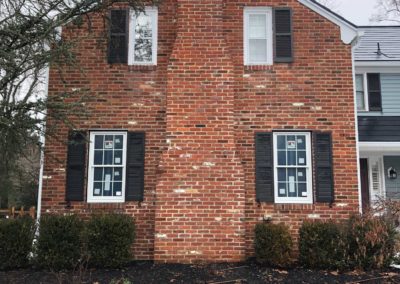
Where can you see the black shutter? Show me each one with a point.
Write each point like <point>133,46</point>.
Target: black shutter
<point>283,43</point>
<point>264,167</point>
<point>135,166</point>
<point>323,167</point>
<point>76,158</point>
<point>374,92</point>
<point>118,37</point>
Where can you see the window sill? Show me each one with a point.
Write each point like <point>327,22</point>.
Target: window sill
<point>293,206</point>
<point>142,67</point>
<point>258,67</point>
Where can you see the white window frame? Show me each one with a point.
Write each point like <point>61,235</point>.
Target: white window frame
<point>246,15</point>
<point>309,171</point>
<point>105,199</point>
<point>365,84</point>
<point>153,13</point>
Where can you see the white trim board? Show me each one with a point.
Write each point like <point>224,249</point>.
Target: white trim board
<point>348,32</point>
<point>381,147</point>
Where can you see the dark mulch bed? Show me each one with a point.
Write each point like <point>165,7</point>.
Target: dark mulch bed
<point>227,273</point>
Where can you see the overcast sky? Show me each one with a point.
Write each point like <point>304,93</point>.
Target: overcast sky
<point>357,11</point>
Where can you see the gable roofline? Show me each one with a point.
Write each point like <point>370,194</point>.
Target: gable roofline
<point>349,31</point>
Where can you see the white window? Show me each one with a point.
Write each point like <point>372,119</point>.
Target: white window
<point>258,42</point>
<point>362,92</point>
<point>292,167</point>
<point>143,37</point>
<point>107,167</point>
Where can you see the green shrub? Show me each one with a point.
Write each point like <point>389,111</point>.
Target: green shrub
<point>16,237</point>
<point>371,242</point>
<point>322,245</point>
<point>59,242</point>
<point>109,240</point>
<point>273,244</point>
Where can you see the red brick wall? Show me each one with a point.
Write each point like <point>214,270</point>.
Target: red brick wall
<point>200,108</point>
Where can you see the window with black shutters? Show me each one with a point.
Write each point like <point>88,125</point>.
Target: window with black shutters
<point>107,167</point>
<point>293,167</point>
<point>267,35</point>
<point>285,163</point>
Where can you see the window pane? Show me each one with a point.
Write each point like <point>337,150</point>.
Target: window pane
<point>118,174</point>
<point>359,83</point>
<point>143,39</point>
<point>109,142</point>
<point>257,26</point>
<point>108,157</point>
<point>282,158</point>
<point>117,157</point>
<point>301,142</point>
<point>360,101</point>
<point>282,189</point>
<point>302,158</point>
<point>143,50</point>
<point>301,175</point>
<point>281,142</point>
<point>143,27</point>
<point>118,141</point>
<point>98,174</point>
<point>291,158</point>
<point>97,188</point>
<point>282,175</point>
<point>98,142</point>
<point>117,189</point>
<point>98,157</point>
<point>258,50</point>
<point>302,187</point>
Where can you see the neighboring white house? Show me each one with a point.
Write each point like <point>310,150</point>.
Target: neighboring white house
<point>377,68</point>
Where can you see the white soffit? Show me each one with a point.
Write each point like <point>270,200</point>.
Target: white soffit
<point>348,31</point>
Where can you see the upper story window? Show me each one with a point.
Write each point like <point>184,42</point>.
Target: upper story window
<point>143,37</point>
<point>292,167</point>
<point>368,92</point>
<point>107,166</point>
<point>267,35</point>
<point>258,40</point>
<point>133,37</point>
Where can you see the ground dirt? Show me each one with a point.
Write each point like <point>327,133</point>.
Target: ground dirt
<point>227,273</point>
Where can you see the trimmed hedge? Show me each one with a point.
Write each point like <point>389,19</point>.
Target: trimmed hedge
<point>16,237</point>
<point>59,245</point>
<point>273,244</point>
<point>322,246</point>
<point>109,240</point>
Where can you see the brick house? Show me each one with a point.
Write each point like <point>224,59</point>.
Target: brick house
<point>207,117</point>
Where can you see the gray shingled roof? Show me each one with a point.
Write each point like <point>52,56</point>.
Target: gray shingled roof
<point>389,39</point>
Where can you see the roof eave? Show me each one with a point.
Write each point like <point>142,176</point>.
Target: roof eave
<point>349,32</point>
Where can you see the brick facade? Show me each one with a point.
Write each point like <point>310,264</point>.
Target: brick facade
<point>200,108</point>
